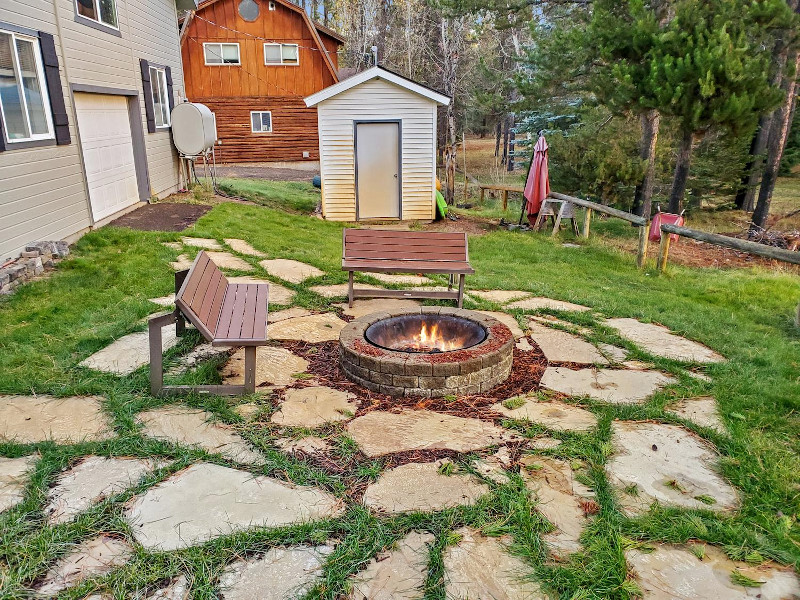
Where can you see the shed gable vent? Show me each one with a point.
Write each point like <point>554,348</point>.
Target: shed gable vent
<point>249,10</point>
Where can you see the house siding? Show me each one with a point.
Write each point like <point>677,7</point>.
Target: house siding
<point>377,100</point>
<point>43,193</point>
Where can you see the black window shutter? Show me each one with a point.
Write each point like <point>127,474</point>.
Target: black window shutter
<point>54,90</point>
<point>2,137</point>
<point>170,89</point>
<point>148,96</point>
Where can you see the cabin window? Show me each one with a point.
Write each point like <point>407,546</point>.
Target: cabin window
<point>24,104</point>
<point>261,121</point>
<point>102,11</point>
<point>158,88</point>
<point>221,54</point>
<point>281,54</point>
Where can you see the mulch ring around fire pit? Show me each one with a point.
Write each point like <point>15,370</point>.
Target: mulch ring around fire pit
<point>163,216</point>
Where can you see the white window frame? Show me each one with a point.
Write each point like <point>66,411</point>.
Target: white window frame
<point>282,63</point>
<point>97,12</point>
<point>37,54</point>
<point>259,112</point>
<point>161,74</point>
<point>238,63</point>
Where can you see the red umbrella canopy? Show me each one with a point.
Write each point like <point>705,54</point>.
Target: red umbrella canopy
<point>537,186</point>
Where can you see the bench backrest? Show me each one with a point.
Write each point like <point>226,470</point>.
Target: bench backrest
<point>381,244</point>
<point>201,295</point>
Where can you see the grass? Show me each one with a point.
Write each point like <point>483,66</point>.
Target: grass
<point>100,293</point>
<point>295,196</point>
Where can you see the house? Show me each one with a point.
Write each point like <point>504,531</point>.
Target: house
<point>252,62</point>
<point>85,92</point>
<point>377,139</point>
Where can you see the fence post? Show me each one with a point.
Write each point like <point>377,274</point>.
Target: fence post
<point>641,257</point>
<point>663,251</point>
<point>587,219</point>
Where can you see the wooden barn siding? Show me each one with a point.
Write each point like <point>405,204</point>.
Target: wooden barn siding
<point>376,100</point>
<point>252,77</point>
<point>294,130</point>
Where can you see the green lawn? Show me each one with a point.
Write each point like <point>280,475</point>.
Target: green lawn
<point>100,293</point>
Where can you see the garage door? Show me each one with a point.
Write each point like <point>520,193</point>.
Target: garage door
<point>107,146</point>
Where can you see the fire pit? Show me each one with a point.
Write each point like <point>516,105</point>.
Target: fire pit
<point>429,352</point>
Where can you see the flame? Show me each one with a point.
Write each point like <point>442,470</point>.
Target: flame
<point>432,340</point>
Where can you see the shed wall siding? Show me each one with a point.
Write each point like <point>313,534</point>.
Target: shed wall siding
<point>42,190</point>
<point>377,100</point>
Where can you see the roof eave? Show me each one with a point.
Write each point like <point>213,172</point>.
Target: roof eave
<point>376,73</point>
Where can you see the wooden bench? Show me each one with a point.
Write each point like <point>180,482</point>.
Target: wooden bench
<point>384,251</point>
<point>500,188</point>
<point>226,314</point>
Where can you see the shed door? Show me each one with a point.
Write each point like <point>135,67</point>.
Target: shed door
<point>107,146</point>
<point>378,170</point>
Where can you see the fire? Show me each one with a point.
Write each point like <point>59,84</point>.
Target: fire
<point>432,340</point>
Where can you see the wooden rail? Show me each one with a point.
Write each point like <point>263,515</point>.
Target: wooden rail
<point>722,240</point>
<point>500,188</point>
<point>590,207</point>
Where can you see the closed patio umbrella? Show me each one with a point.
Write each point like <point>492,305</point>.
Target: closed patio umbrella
<point>537,186</point>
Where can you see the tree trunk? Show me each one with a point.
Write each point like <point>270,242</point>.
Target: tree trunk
<point>450,174</point>
<point>325,12</point>
<point>505,140</point>
<point>643,196</point>
<point>777,141</point>
<point>497,132</point>
<point>746,196</point>
<point>681,175</point>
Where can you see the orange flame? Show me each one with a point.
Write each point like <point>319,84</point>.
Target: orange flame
<point>432,339</point>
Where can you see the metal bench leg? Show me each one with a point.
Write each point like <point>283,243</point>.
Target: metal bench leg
<point>156,357</point>
<point>249,369</point>
<point>350,290</point>
<point>450,281</point>
<point>461,290</point>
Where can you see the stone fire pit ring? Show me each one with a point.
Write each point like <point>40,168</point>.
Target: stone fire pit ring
<point>473,370</point>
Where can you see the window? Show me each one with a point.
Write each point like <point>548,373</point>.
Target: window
<point>102,11</point>
<point>281,54</point>
<point>221,54</point>
<point>24,103</point>
<point>261,121</point>
<point>158,87</point>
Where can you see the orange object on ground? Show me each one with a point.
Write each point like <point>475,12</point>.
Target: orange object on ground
<point>537,186</point>
<point>670,219</point>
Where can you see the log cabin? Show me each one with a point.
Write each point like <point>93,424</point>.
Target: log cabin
<point>252,62</point>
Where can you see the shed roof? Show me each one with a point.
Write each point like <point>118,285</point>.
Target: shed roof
<point>377,72</point>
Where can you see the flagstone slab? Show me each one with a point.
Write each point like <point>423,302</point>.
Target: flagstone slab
<point>287,313</point>
<point>540,303</point>
<point>177,589</point>
<point>699,376</point>
<point>544,443</point>
<point>206,501</point>
<point>613,353</point>
<point>92,480</point>
<point>702,410</point>
<point>292,271</point>
<point>243,247</point>
<point>397,279</point>
<point>92,558</point>
<point>273,366</point>
<point>204,243</point>
<point>165,301</point>
<point>323,327</point>
<point>339,290</point>
<point>675,573</point>
<point>509,321</point>
<point>558,499</point>
<point>314,406</point>
<point>419,487</point>
<point>173,245</point>
<point>480,567</point>
<point>192,427</point>
<point>550,321</point>
<point>524,345</point>
<point>310,444</point>
<point>30,419</point>
<point>561,347</point>
<point>278,294</point>
<point>280,574</point>
<point>660,341</point>
<point>198,354</point>
<point>361,308</point>
<point>615,387</point>
<point>182,263</point>
<point>500,296</point>
<point>493,468</point>
<point>396,574</point>
<point>555,415</point>
<point>128,353</point>
<point>248,410</point>
<point>668,464</point>
<point>379,432</point>
<point>226,260</point>
<point>14,475</point>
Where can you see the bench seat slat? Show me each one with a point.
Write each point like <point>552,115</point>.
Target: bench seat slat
<point>195,275</point>
<point>196,302</point>
<point>235,330</point>
<point>409,266</point>
<point>216,306</point>
<point>260,319</point>
<point>208,300</point>
<point>397,253</point>
<point>250,300</point>
<point>376,234</point>
<point>226,314</point>
<point>355,245</point>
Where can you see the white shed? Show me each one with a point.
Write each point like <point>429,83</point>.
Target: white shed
<point>377,147</point>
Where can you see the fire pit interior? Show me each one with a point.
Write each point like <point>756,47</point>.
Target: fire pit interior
<point>428,352</point>
<point>425,333</point>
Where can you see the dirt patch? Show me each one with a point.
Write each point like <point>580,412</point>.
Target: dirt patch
<point>258,171</point>
<point>466,223</point>
<point>163,216</point>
